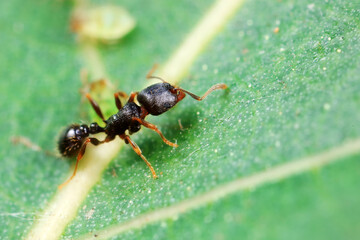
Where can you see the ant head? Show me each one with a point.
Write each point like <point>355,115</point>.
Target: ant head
<point>159,98</point>
<point>178,92</point>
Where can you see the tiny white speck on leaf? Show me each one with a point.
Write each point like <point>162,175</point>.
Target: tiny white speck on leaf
<point>89,214</point>
<point>18,27</point>
<point>311,6</point>
<point>327,106</point>
<point>228,217</point>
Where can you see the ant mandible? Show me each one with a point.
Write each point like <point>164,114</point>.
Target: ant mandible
<point>155,100</point>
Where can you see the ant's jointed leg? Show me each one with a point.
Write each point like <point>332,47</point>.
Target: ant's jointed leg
<point>117,96</point>
<point>153,127</point>
<point>136,148</point>
<point>96,107</point>
<point>132,96</point>
<point>95,142</point>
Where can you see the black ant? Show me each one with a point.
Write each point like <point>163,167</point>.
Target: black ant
<point>155,100</point>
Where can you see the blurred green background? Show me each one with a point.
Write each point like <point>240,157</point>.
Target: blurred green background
<point>293,94</point>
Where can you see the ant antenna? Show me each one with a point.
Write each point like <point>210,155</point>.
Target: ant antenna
<point>149,75</point>
<point>215,87</point>
<point>152,70</point>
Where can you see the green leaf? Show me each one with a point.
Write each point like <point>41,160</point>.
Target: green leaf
<point>293,94</point>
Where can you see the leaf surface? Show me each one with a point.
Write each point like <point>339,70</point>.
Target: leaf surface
<point>293,93</point>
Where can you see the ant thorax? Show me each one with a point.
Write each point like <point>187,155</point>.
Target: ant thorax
<point>118,123</point>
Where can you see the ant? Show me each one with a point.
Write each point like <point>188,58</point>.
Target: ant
<point>155,100</point>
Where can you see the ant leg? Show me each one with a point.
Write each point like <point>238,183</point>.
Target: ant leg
<point>117,96</point>
<point>138,152</point>
<point>132,96</point>
<point>215,87</point>
<point>96,107</point>
<point>122,94</point>
<point>153,127</point>
<point>95,142</point>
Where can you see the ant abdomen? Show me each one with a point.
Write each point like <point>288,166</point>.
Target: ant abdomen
<point>72,139</point>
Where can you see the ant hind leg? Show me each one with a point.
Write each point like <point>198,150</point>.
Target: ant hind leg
<point>95,142</point>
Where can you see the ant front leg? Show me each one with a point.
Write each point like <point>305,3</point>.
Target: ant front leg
<point>117,96</point>
<point>136,148</point>
<point>95,142</point>
<point>153,127</point>
<point>96,107</point>
<point>132,96</point>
